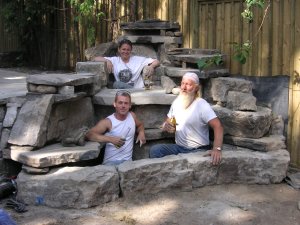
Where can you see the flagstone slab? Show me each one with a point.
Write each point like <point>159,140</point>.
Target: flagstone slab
<point>56,154</point>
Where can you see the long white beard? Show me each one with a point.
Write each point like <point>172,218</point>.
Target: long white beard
<point>185,100</point>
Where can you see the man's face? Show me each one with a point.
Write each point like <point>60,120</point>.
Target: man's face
<point>188,87</point>
<point>125,51</point>
<point>122,105</point>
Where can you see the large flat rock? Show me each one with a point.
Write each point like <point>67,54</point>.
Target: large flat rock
<point>57,79</point>
<point>264,144</point>
<point>178,72</point>
<point>195,170</point>
<point>138,97</point>
<point>70,187</point>
<point>151,39</point>
<point>56,154</point>
<point>155,175</point>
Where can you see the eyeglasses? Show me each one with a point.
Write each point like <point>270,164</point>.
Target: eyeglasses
<point>123,92</point>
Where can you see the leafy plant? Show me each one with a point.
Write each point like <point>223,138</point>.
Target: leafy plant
<point>86,12</point>
<point>208,62</point>
<point>247,13</point>
<point>241,52</point>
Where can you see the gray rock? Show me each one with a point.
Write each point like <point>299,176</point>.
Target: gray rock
<point>56,154</point>
<point>31,125</point>
<point>138,97</point>
<point>2,112</point>
<point>168,84</point>
<point>277,125</point>
<point>16,101</point>
<point>144,50</point>
<point>58,80</point>
<point>151,39</point>
<point>99,69</point>
<point>245,124</point>
<point>154,175</point>
<point>67,117</point>
<point>241,101</point>
<point>156,134</point>
<point>218,88</point>
<point>32,170</point>
<point>239,166</point>
<point>264,144</point>
<point>4,138</point>
<point>10,116</point>
<point>66,90</point>
<point>152,115</point>
<point>103,49</point>
<point>71,187</point>
<point>14,152</point>
<point>46,89</point>
<point>31,87</point>
<point>179,72</point>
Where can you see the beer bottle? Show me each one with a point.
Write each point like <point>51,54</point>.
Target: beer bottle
<point>173,121</point>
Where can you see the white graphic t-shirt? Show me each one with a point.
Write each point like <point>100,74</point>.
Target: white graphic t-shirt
<point>130,72</point>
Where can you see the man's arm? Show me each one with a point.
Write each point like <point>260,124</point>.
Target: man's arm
<point>97,132</point>
<point>109,64</point>
<point>140,130</point>
<point>217,127</point>
<point>154,64</point>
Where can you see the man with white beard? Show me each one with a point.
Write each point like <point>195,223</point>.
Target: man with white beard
<point>193,117</point>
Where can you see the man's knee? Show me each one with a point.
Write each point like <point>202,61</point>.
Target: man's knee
<point>154,151</point>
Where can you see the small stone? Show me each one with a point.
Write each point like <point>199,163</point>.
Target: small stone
<point>32,170</point>
<point>176,91</point>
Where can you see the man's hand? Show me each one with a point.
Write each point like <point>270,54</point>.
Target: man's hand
<point>141,138</point>
<point>215,155</point>
<point>168,126</point>
<point>117,141</point>
<point>110,67</point>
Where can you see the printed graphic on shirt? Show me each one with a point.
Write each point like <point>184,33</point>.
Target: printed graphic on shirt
<point>125,75</point>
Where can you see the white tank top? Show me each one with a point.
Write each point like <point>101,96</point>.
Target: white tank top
<point>126,129</point>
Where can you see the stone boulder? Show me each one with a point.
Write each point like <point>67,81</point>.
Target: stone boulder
<point>30,127</point>
<point>70,187</point>
<point>103,49</point>
<point>56,154</point>
<point>217,88</point>
<point>155,175</point>
<point>241,101</point>
<point>264,144</point>
<point>245,124</point>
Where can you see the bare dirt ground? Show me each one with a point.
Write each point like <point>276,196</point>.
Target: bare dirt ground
<point>231,204</point>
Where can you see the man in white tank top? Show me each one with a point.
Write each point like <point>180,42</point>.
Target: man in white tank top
<point>118,130</point>
<point>193,116</point>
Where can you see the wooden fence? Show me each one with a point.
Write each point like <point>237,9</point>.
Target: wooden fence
<point>207,24</point>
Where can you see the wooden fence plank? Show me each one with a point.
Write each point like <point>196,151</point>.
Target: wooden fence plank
<point>295,112</point>
<point>286,53</point>
<point>265,42</point>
